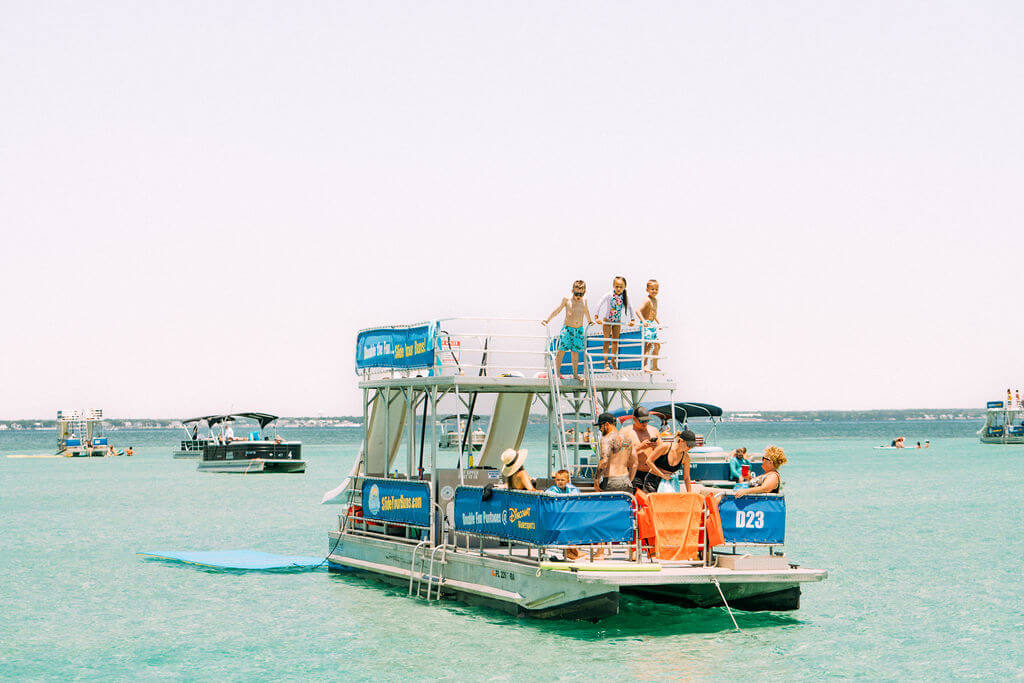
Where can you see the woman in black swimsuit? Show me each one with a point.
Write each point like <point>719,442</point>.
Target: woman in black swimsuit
<point>672,458</point>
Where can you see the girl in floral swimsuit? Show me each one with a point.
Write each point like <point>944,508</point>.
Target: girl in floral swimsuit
<point>612,310</point>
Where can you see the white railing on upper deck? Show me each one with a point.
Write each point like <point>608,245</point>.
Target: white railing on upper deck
<point>471,346</point>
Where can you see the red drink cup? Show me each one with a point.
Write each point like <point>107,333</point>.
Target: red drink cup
<point>745,471</point>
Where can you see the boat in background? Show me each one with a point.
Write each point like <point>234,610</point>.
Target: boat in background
<point>192,445</point>
<point>80,435</point>
<point>453,431</point>
<point>709,464</point>
<point>258,451</point>
<point>1004,423</point>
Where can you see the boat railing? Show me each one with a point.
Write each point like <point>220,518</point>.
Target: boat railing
<point>352,521</point>
<point>486,346</point>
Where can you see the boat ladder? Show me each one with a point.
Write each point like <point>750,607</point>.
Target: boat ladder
<point>418,578</point>
<point>586,404</point>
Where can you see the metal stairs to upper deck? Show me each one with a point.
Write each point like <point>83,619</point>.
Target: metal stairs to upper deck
<point>572,401</point>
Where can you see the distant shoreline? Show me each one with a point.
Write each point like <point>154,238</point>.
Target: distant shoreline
<point>342,421</point>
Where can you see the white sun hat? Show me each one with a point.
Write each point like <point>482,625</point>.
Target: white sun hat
<point>512,460</point>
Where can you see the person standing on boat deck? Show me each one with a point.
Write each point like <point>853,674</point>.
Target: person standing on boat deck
<point>643,438</point>
<point>670,458</point>
<point>611,312</point>
<point>572,338</point>
<point>648,314</point>
<point>617,461</point>
<point>769,482</point>
<point>513,470</point>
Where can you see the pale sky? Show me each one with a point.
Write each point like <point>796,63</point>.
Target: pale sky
<point>201,202</point>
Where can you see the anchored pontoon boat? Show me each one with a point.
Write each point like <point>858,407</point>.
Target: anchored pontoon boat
<point>256,452</point>
<point>79,434</point>
<point>1004,423</point>
<point>442,530</point>
<point>453,432</point>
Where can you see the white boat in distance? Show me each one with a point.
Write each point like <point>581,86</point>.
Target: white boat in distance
<point>446,530</point>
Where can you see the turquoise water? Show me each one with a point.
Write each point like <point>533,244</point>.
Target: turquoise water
<point>924,551</point>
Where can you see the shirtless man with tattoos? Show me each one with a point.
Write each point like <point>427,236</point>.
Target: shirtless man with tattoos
<point>618,462</point>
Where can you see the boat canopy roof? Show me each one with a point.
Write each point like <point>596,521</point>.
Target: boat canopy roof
<point>683,410</point>
<point>262,418</point>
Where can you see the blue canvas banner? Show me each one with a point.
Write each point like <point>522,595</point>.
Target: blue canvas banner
<point>399,348</point>
<point>546,519</point>
<point>396,500</point>
<point>753,519</point>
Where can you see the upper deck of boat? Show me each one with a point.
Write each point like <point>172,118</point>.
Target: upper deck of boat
<point>503,355</point>
<point>522,385</point>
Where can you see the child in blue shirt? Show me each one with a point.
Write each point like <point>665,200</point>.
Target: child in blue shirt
<point>563,483</point>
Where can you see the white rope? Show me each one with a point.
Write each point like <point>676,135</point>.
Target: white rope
<point>714,580</point>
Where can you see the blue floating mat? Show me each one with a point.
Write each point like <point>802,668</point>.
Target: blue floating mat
<point>237,559</point>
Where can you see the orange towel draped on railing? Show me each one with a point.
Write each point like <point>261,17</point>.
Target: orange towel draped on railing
<point>716,536</point>
<point>670,524</point>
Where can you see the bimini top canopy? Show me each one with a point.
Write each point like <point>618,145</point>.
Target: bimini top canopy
<point>684,410</point>
<point>263,418</point>
<point>204,418</point>
<point>451,418</point>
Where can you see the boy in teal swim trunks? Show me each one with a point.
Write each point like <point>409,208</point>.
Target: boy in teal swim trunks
<point>572,338</point>
<point>648,313</point>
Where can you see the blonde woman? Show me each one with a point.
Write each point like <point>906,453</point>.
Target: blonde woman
<point>769,482</point>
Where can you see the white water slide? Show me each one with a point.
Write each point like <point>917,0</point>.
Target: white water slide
<point>508,425</point>
<point>507,429</point>
<point>384,435</point>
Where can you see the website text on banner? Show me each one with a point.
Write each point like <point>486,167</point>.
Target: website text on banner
<point>393,500</point>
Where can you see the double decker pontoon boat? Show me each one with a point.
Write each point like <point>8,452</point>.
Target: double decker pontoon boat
<point>1004,423</point>
<point>258,451</point>
<point>444,529</point>
<point>194,442</point>
<point>80,434</point>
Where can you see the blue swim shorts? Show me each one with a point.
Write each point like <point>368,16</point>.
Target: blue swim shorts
<point>650,331</point>
<point>571,339</point>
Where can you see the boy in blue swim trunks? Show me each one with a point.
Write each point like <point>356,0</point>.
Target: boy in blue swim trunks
<point>572,338</point>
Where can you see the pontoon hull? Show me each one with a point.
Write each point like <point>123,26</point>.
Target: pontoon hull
<point>252,466</point>
<point>1007,440</point>
<point>748,597</point>
<point>525,590</point>
<point>187,455</point>
<point>249,457</point>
